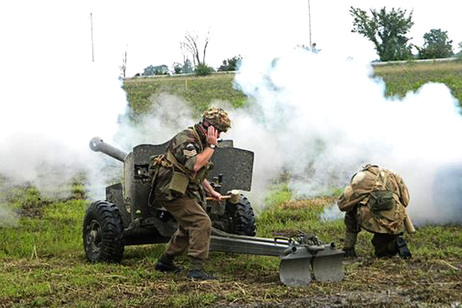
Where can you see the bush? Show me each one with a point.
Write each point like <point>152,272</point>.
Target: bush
<point>230,64</point>
<point>203,70</point>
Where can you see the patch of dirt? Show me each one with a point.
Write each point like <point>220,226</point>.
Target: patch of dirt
<point>318,202</point>
<point>33,209</point>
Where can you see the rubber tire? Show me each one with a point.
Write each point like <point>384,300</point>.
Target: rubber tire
<point>239,218</point>
<point>103,233</point>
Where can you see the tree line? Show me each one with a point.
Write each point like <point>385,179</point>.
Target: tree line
<point>386,29</point>
<point>193,60</point>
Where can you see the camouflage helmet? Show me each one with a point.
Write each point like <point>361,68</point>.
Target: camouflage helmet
<point>218,118</point>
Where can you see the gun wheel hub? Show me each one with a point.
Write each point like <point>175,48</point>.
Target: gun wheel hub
<point>94,237</point>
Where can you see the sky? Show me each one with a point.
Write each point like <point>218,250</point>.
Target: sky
<point>55,94</point>
<point>151,31</point>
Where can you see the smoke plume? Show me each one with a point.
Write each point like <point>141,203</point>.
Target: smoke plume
<point>46,126</point>
<point>321,118</point>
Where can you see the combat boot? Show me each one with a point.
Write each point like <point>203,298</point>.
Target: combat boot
<point>349,245</point>
<point>403,250</point>
<point>196,272</point>
<point>165,264</point>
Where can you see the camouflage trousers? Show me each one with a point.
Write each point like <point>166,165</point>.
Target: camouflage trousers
<point>384,244</point>
<point>194,228</point>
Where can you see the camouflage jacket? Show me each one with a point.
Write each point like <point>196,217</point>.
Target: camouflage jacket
<point>181,155</point>
<point>359,195</point>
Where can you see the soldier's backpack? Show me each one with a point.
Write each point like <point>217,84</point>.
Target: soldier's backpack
<point>380,198</point>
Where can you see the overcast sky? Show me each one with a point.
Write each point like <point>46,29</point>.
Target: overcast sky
<point>59,32</point>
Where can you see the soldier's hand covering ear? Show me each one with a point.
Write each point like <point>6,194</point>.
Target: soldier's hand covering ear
<point>212,135</point>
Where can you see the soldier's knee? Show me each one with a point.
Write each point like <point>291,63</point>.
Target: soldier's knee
<point>205,223</point>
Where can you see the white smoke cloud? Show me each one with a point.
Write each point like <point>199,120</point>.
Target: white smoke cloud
<point>47,120</point>
<point>322,118</point>
<point>331,212</point>
<point>316,116</point>
<point>51,127</point>
<point>8,217</point>
<point>168,115</point>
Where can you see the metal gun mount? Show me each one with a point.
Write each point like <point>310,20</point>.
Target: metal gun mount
<point>302,259</point>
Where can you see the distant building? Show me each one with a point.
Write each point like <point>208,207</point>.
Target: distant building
<point>187,67</point>
<point>156,70</point>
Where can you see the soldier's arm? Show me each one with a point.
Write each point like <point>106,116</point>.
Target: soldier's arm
<point>212,192</point>
<point>185,148</point>
<point>203,158</point>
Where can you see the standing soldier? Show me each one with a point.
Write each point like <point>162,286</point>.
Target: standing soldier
<point>375,200</point>
<point>179,185</point>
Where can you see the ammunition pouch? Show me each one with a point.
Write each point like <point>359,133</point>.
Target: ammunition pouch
<point>167,184</point>
<point>178,183</point>
<point>381,200</point>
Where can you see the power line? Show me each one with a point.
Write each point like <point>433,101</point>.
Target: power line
<point>309,23</point>
<point>92,46</point>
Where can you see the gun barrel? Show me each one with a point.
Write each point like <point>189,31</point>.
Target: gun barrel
<point>98,145</point>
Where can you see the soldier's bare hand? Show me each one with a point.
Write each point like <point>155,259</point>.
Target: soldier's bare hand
<point>212,135</point>
<point>216,196</point>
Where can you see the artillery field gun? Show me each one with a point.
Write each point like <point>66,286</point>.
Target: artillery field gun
<point>125,218</point>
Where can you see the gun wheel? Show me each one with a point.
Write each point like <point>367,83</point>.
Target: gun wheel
<point>103,233</point>
<point>238,218</point>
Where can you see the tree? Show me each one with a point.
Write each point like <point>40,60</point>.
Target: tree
<point>184,68</point>
<point>386,30</point>
<point>230,64</point>
<point>191,45</point>
<point>177,68</point>
<point>436,45</point>
<point>123,67</point>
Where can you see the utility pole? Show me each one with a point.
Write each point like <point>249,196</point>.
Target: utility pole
<point>92,46</point>
<point>309,23</point>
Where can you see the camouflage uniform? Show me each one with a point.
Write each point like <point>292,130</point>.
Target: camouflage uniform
<point>375,200</point>
<point>179,189</point>
<point>188,207</point>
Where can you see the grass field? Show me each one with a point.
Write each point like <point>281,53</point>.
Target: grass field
<point>42,262</point>
<point>201,91</point>
<point>401,78</point>
<point>198,91</point>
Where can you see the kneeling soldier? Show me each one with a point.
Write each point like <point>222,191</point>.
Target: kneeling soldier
<point>375,200</point>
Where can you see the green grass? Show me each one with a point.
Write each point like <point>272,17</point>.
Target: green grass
<point>44,228</point>
<point>199,92</point>
<point>401,78</point>
<point>42,264</point>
